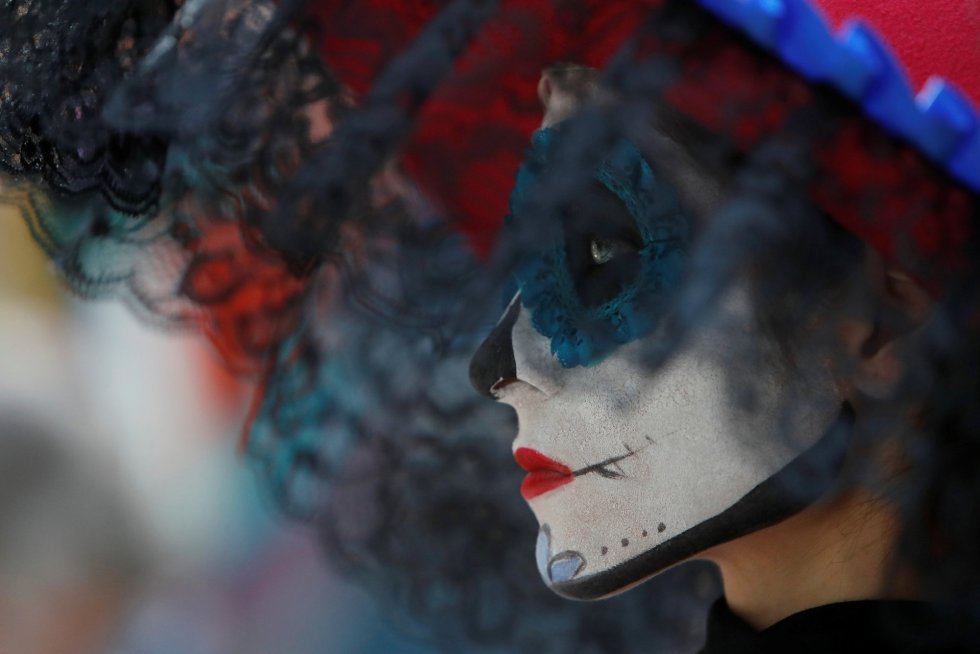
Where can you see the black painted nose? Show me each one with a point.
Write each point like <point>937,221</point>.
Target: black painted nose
<point>493,362</point>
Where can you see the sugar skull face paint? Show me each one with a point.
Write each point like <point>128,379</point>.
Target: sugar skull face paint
<point>633,469</point>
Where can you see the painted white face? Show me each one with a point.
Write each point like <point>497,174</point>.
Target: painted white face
<point>632,470</point>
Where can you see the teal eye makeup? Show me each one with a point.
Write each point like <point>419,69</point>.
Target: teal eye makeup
<point>623,241</point>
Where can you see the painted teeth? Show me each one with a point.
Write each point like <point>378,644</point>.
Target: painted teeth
<point>542,552</point>
<point>564,566</point>
<point>559,568</point>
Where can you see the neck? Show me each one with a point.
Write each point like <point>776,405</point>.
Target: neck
<point>835,551</point>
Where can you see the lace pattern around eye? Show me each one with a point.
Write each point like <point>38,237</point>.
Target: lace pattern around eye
<point>582,335</point>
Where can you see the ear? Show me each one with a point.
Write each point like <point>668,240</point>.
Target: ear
<point>895,307</point>
<point>564,88</point>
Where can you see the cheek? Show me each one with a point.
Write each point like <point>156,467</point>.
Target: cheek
<point>533,360</point>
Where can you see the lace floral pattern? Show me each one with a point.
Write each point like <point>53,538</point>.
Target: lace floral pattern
<point>59,61</point>
<point>160,180</point>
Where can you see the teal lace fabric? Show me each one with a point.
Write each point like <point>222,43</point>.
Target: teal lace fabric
<point>583,332</point>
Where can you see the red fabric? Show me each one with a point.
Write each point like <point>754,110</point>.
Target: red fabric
<point>251,301</point>
<point>473,131</point>
<point>358,38</point>
<point>931,37</point>
<point>916,219</point>
<point>472,135</point>
<point>875,186</point>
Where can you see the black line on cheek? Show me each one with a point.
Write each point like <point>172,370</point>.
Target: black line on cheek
<point>603,467</point>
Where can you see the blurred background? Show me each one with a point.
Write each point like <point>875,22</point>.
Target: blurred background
<point>129,524</point>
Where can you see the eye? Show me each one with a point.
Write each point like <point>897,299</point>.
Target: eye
<point>604,249</point>
<point>602,245</point>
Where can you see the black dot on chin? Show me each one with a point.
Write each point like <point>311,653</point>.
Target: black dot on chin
<point>661,527</point>
<point>644,533</point>
<point>604,550</point>
<point>626,541</point>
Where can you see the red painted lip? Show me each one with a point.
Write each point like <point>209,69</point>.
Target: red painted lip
<point>544,474</point>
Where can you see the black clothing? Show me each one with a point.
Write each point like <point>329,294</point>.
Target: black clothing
<point>899,627</point>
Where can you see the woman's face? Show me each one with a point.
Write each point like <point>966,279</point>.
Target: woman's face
<point>631,468</point>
